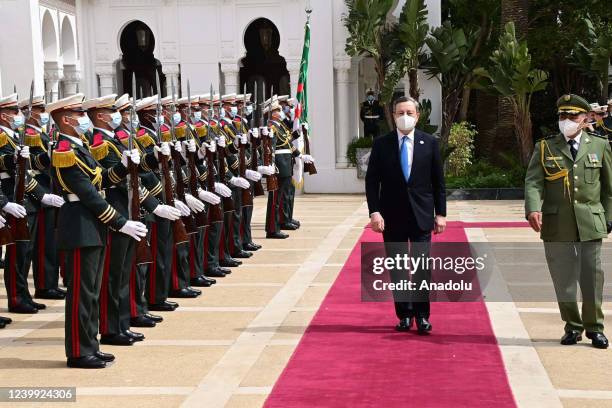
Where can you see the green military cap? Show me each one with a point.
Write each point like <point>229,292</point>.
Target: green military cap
<point>572,104</point>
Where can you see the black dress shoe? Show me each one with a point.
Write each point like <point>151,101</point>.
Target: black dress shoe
<point>404,324</point>
<point>120,339</point>
<point>134,335</point>
<point>242,254</point>
<point>55,293</point>
<point>296,222</point>
<point>171,303</point>
<point>161,307</point>
<point>194,290</point>
<point>277,235</point>
<point>142,321</point>
<point>155,318</point>
<point>230,263</point>
<point>200,281</point>
<point>39,306</point>
<point>23,308</point>
<point>423,325</point>
<point>215,273</point>
<point>571,337</point>
<point>210,280</point>
<point>598,340</point>
<point>251,247</point>
<point>106,357</point>
<point>2,325</point>
<point>6,320</point>
<point>289,227</point>
<point>182,293</point>
<point>85,362</point>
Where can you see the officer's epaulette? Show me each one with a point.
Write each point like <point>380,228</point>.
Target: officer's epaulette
<point>165,133</point>
<point>63,155</point>
<point>180,130</point>
<point>200,129</point>
<point>597,135</point>
<point>99,148</point>
<point>32,138</point>
<point>144,138</point>
<point>123,137</point>
<point>3,138</point>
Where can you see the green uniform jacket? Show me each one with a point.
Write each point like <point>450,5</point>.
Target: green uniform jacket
<point>575,207</point>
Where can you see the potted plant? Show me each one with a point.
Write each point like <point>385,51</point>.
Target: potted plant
<point>358,154</point>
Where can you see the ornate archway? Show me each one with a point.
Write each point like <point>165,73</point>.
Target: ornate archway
<point>263,63</point>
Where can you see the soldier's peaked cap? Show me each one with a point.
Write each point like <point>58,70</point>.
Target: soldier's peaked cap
<point>9,101</point>
<point>73,103</point>
<point>38,100</point>
<point>572,104</point>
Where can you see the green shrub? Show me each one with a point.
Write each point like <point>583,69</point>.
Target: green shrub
<point>461,143</point>
<point>482,174</point>
<point>357,143</point>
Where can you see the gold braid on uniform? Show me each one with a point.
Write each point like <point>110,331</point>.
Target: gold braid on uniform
<point>562,173</point>
<point>3,138</point>
<point>100,151</point>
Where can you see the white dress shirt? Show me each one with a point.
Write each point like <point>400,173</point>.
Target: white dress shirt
<point>576,140</point>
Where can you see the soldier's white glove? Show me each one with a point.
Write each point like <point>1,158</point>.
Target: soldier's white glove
<point>223,190</point>
<point>265,131</point>
<point>134,229</point>
<point>22,151</point>
<point>254,132</point>
<point>306,126</point>
<point>132,154</point>
<point>265,170</point>
<point>52,200</point>
<point>221,141</point>
<point>178,147</point>
<point>212,146</point>
<point>185,211</point>
<point>210,198</point>
<point>16,210</point>
<point>243,139</point>
<point>202,151</point>
<point>164,149</point>
<point>168,212</point>
<point>190,145</point>
<point>2,222</point>
<point>308,159</point>
<point>252,175</point>
<point>193,203</point>
<point>239,182</point>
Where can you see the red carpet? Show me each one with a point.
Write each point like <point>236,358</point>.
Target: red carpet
<point>351,356</point>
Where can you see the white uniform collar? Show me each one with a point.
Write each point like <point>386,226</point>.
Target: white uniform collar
<point>8,131</point>
<point>73,139</point>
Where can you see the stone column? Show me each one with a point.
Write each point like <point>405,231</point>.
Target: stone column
<point>72,77</point>
<point>231,79</point>
<point>343,136</point>
<point>106,75</point>
<point>54,72</point>
<point>294,74</point>
<point>172,73</point>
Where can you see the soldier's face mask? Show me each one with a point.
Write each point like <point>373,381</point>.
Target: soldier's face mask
<point>249,109</point>
<point>115,120</point>
<point>176,117</point>
<point>282,115</point>
<point>370,98</point>
<point>233,111</point>
<point>83,125</point>
<point>43,118</point>
<point>197,115</point>
<point>569,128</point>
<point>17,121</point>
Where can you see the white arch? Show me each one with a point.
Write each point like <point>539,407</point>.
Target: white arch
<point>68,45</point>
<point>49,37</point>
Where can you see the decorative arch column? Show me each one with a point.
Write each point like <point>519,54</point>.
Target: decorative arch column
<point>343,138</point>
<point>171,71</point>
<point>106,76</point>
<point>231,78</point>
<point>294,74</point>
<point>54,73</point>
<point>72,77</point>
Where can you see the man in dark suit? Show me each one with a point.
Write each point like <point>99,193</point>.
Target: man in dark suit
<point>407,200</point>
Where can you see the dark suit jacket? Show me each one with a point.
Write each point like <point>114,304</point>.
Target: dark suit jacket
<point>401,203</point>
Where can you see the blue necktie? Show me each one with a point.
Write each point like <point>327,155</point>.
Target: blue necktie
<point>404,158</point>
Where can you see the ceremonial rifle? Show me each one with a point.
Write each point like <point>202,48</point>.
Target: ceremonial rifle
<point>247,198</point>
<point>228,202</point>
<point>143,250</point>
<point>200,218</point>
<point>271,180</point>
<point>188,220</point>
<point>258,189</point>
<point>215,212</point>
<point>178,228</point>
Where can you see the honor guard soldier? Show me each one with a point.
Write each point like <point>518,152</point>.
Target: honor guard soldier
<point>371,114</point>
<point>599,114</point>
<point>608,118</point>
<point>159,273</point>
<point>19,255</point>
<point>83,223</point>
<point>568,199</point>
<point>213,238</point>
<point>45,262</point>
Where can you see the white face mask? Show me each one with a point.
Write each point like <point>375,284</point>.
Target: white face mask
<point>44,118</point>
<point>221,113</point>
<point>177,118</point>
<point>249,109</point>
<point>234,111</point>
<point>197,115</point>
<point>115,120</point>
<point>18,121</point>
<point>405,123</point>
<point>282,115</point>
<point>568,127</point>
<point>84,125</point>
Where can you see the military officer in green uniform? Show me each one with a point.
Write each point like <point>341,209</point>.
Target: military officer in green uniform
<point>83,224</point>
<point>568,199</point>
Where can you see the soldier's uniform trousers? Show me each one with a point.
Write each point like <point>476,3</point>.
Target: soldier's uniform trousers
<point>570,263</point>
<point>247,216</point>
<point>84,268</point>
<point>45,265</point>
<point>158,277</point>
<point>196,253</point>
<point>180,266</point>
<point>235,240</point>
<point>114,295</point>
<point>212,242</point>
<point>17,266</point>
